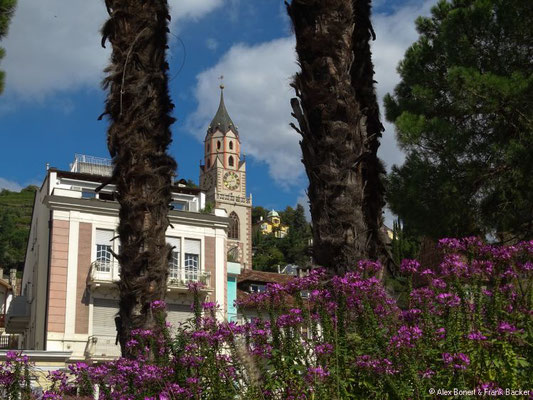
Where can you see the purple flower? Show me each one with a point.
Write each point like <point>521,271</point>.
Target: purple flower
<point>158,305</point>
<point>476,335</point>
<point>448,299</point>
<point>409,266</point>
<point>406,336</point>
<point>505,327</point>
<point>210,305</point>
<point>438,283</point>
<point>451,244</point>
<point>428,373</point>
<point>316,373</point>
<point>458,360</point>
<point>324,348</point>
<point>380,366</point>
<point>441,333</point>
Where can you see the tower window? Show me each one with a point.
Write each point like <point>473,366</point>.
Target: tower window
<point>230,161</point>
<point>230,145</point>
<point>208,162</point>
<point>208,147</point>
<point>218,144</point>
<point>233,232</point>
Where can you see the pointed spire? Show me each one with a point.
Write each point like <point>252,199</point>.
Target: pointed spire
<point>222,120</point>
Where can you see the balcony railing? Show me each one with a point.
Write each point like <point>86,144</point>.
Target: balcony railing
<point>101,347</point>
<point>103,273</point>
<point>180,281</point>
<point>235,199</point>
<point>8,342</point>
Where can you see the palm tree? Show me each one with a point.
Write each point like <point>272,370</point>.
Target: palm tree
<point>7,9</point>
<point>139,107</point>
<point>338,117</point>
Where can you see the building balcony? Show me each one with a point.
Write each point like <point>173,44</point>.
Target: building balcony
<point>8,342</point>
<point>107,273</point>
<point>18,315</point>
<point>179,280</point>
<point>102,348</point>
<point>103,273</point>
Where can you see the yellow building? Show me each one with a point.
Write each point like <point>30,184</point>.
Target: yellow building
<point>272,225</point>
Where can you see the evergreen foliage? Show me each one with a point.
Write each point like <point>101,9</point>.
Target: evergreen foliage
<point>7,9</point>
<point>15,220</point>
<point>463,113</point>
<point>270,251</point>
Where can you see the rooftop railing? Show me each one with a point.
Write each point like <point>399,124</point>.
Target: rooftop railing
<point>92,165</point>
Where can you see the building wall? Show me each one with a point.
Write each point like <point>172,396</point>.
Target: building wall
<point>58,276</point>
<point>35,277</point>
<point>62,247</point>
<point>85,246</point>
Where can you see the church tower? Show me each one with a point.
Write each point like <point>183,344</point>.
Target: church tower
<point>223,177</point>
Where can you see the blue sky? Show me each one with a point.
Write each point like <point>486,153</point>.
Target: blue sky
<point>54,65</point>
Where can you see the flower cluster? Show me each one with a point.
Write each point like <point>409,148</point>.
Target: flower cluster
<point>466,323</point>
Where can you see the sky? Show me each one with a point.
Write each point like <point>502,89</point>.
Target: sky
<point>54,65</point>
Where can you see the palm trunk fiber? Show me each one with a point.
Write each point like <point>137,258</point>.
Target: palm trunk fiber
<point>139,107</point>
<point>338,117</point>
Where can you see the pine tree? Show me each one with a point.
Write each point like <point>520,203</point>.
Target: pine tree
<point>7,9</point>
<point>464,115</point>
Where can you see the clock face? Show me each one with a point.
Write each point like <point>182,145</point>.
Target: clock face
<point>231,180</point>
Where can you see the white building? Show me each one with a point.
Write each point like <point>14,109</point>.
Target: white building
<point>69,297</point>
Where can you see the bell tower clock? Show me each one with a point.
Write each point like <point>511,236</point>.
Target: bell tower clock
<point>223,177</point>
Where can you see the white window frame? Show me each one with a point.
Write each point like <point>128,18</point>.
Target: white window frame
<point>183,274</point>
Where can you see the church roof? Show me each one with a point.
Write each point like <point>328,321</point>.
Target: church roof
<point>272,213</point>
<point>222,120</point>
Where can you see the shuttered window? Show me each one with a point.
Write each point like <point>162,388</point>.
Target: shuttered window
<point>174,264</point>
<point>104,245</point>
<point>192,259</point>
<point>192,246</point>
<point>104,312</point>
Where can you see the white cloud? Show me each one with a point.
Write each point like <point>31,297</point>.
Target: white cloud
<point>257,98</point>
<point>395,33</point>
<point>10,185</point>
<point>54,45</point>
<point>258,93</point>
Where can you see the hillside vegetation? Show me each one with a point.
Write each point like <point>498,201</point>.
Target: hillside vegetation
<point>15,220</point>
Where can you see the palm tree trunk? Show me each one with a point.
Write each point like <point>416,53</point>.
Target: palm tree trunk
<point>338,118</point>
<point>139,108</point>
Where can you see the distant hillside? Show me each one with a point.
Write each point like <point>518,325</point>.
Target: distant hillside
<point>15,220</point>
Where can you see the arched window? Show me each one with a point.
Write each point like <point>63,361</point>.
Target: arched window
<point>230,161</point>
<point>233,232</point>
<point>218,144</point>
<point>208,147</point>
<point>230,145</point>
